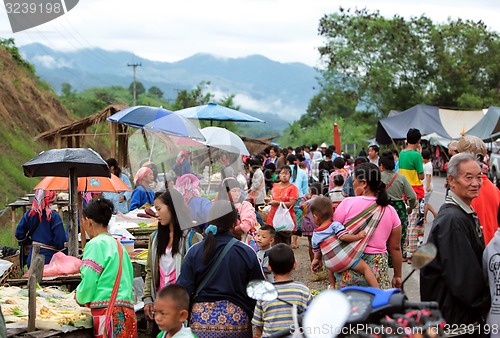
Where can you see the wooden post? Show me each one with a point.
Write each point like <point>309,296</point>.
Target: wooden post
<point>58,141</point>
<point>14,224</point>
<point>112,138</point>
<point>35,276</point>
<point>77,141</point>
<point>73,209</point>
<point>83,234</point>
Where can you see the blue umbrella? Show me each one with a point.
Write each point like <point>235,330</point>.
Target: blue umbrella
<point>157,119</point>
<point>214,112</point>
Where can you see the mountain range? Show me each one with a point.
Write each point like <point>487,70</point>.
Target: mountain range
<point>259,84</point>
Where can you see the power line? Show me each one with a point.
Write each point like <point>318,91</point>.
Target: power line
<point>88,47</point>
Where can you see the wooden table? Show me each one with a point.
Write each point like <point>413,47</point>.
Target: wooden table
<point>22,332</point>
<point>71,280</point>
<point>142,235</point>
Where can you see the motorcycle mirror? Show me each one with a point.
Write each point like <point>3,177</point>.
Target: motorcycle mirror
<point>261,290</point>
<point>423,256</point>
<point>420,258</point>
<point>326,315</point>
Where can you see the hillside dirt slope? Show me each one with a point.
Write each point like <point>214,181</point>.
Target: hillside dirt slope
<point>28,107</point>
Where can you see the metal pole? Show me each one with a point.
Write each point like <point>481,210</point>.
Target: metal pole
<point>134,65</point>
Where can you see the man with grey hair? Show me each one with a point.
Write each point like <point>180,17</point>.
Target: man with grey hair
<point>487,203</point>
<point>455,277</point>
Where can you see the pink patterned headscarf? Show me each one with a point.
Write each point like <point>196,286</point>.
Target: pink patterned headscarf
<point>187,185</point>
<point>43,200</point>
<point>183,154</point>
<point>141,173</point>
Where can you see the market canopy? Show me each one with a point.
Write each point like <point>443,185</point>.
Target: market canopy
<point>428,119</point>
<point>488,127</point>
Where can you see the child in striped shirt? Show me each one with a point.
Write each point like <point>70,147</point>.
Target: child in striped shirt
<point>273,316</point>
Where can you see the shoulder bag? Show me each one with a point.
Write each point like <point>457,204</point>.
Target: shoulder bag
<point>103,327</point>
<point>214,267</point>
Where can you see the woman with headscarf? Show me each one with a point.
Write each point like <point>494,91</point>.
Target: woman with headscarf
<point>188,185</point>
<point>182,165</point>
<point>156,185</point>
<point>120,200</point>
<point>142,193</point>
<point>43,226</point>
<point>247,218</point>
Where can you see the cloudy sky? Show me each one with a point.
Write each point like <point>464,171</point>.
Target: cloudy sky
<point>282,30</point>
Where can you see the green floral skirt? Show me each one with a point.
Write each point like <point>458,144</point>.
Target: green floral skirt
<point>380,268</point>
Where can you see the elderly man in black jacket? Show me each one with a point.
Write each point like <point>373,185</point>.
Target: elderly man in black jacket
<point>455,278</point>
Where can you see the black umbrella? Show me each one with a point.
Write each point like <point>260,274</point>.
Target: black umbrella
<point>58,162</point>
<point>72,163</point>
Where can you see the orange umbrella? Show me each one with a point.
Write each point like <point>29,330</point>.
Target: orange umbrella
<point>336,138</point>
<point>86,184</point>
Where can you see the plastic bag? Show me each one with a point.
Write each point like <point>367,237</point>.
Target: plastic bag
<point>4,266</point>
<point>60,264</point>
<point>282,220</point>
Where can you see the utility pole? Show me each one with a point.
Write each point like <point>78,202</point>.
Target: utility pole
<point>135,65</point>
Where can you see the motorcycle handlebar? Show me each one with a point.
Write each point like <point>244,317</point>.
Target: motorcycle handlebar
<point>281,334</point>
<point>421,305</point>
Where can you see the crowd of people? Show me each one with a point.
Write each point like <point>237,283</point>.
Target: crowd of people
<point>205,250</point>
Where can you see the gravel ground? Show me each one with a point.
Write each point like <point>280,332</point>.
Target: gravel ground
<point>302,272</point>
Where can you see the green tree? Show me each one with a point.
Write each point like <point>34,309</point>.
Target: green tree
<point>331,102</point>
<point>195,97</point>
<point>66,90</point>
<point>139,88</point>
<point>155,91</point>
<point>396,63</point>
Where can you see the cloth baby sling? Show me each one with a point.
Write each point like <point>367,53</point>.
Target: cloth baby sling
<point>340,255</point>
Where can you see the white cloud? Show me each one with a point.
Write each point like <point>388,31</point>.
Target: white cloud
<point>282,30</point>
<point>272,105</point>
<point>49,62</point>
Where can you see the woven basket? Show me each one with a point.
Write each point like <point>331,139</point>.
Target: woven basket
<point>14,270</point>
<point>263,213</point>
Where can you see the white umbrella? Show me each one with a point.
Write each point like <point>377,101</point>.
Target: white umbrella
<point>224,139</point>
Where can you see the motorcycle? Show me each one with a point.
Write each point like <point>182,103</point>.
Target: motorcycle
<point>361,311</point>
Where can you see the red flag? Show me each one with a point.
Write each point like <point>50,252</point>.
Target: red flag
<point>336,138</point>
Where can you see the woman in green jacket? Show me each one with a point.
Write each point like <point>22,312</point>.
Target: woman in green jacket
<point>106,285</point>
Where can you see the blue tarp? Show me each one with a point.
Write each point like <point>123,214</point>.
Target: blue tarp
<point>488,127</point>
<point>424,118</point>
